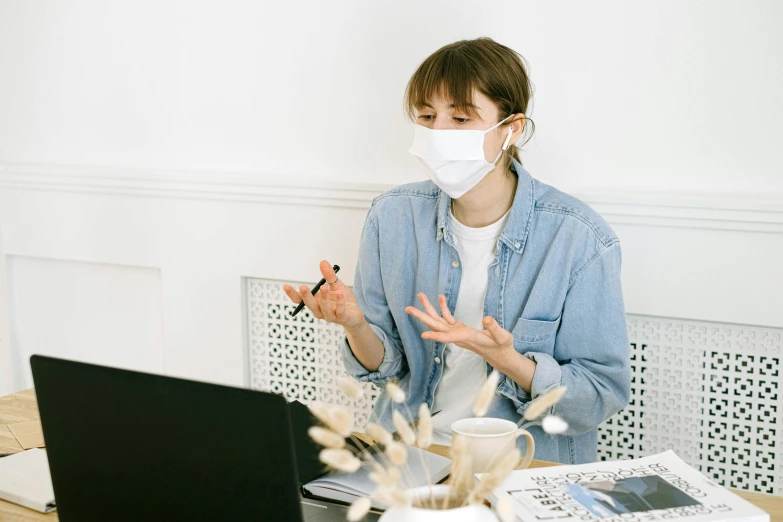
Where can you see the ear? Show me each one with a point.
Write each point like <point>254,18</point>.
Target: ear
<point>518,124</point>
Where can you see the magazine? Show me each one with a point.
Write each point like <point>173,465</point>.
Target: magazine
<point>658,487</point>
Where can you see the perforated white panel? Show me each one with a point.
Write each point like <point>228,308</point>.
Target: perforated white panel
<point>296,357</point>
<point>709,391</point>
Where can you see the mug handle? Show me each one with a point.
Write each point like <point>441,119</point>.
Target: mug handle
<point>531,448</point>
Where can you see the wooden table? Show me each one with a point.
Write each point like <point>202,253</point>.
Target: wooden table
<point>22,406</point>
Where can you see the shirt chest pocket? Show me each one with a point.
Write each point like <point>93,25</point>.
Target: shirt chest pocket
<point>531,335</point>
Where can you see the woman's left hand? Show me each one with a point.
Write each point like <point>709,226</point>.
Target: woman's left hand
<point>490,343</point>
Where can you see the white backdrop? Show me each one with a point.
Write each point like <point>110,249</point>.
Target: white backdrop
<point>165,150</point>
<point>654,95</point>
<point>6,373</point>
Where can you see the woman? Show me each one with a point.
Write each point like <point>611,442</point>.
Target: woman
<point>531,274</point>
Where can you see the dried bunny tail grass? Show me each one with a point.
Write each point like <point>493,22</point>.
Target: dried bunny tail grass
<point>397,453</point>
<point>379,433</point>
<point>340,459</point>
<point>554,425</point>
<point>391,496</point>
<point>336,418</point>
<point>403,428</point>
<point>424,439</point>
<point>321,411</point>
<point>342,420</point>
<point>358,509</point>
<point>500,470</point>
<point>544,402</point>
<point>390,477</point>
<point>326,437</point>
<point>505,509</point>
<point>395,392</point>
<point>486,394</point>
<point>459,447</point>
<point>350,388</point>
<point>461,478</point>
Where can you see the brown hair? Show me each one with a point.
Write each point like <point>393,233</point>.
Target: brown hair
<point>454,70</point>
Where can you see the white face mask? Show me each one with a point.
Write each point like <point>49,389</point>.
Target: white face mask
<point>454,158</point>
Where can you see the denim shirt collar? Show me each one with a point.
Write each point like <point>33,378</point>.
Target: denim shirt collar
<point>515,232</point>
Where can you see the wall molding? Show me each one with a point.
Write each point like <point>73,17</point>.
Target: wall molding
<point>745,213</point>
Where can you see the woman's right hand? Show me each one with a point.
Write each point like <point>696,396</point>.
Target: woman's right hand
<point>333,303</point>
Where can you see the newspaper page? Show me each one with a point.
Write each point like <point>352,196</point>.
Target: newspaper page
<point>658,487</point>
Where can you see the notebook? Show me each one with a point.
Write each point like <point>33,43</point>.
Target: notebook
<point>348,487</point>
<point>25,480</point>
<point>337,486</point>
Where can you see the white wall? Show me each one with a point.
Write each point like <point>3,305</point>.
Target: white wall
<point>168,149</point>
<point>6,373</point>
<point>107,314</point>
<point>653,95</point>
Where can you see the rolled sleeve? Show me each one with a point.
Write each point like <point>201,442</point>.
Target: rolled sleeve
<point>391,367</point>
<point>548,374</point>
<point>371,298</point>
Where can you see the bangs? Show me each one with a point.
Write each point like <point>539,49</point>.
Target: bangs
<point>448,74</point>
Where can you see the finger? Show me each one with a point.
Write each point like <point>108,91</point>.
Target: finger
<point>439,326</point>
<point>326,304</point>
<point>444,309</point>
<point>428,307</point>
<point>499,335</point>
<point>465,335</point>
<point>340,308</point>
<point>326,296</point>
<point>329,274</point>
<point>310,302</point>
<point>292,294</point>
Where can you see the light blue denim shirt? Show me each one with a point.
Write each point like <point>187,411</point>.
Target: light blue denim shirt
<point>554,284</point>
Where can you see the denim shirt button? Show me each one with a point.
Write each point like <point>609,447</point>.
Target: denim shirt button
<point>440,234</point>
<point>437,360</point>
<point>455,264</point>
<point>516,244</point>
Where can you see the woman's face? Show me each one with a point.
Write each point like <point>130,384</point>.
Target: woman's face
<point>440,113</point>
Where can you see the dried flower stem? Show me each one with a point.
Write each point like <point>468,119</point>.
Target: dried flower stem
<point>424,427</point>
<point>424,441</point>
<point>340,459</point>
<point>403,428</point>
<point>462,470</point>
<point>379,433</point>
<point>486,394</point>
<point>358,509</point>
<point>350,388</point>
<point>326,437</point>
<point>500,469</point>
<point>336,418</point>
<point>543,402</point>
<point>395,392</point>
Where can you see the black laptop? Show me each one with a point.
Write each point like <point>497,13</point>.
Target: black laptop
<point>126,445</point>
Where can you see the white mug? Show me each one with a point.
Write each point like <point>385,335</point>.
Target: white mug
<point>490,439</point>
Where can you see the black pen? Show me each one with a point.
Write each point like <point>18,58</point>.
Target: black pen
<point>313,291</point>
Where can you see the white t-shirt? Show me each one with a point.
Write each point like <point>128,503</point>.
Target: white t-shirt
<point>464,371</point>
